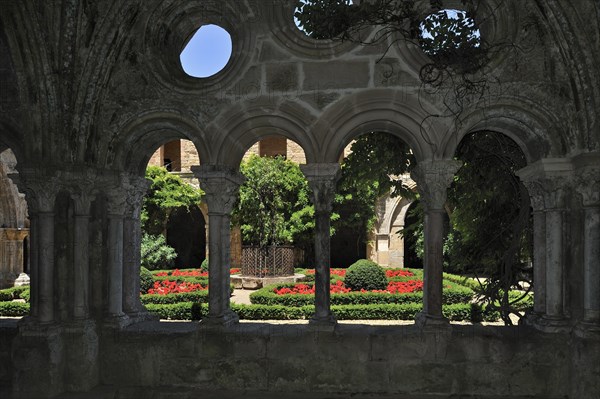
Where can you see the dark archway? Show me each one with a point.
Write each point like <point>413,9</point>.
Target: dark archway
<point>186,233</point>
<point>413,223</point>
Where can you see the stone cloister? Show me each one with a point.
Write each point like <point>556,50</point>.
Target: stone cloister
<point>89,90</point>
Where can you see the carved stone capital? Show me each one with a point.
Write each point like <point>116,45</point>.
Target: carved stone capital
<point>322,179</point>
<point>587,185</point>
<point>433,179</point>
<point>220,185</point>
<point>136,189</point>
<point>548,182</point>
<point>82,187</point>
<point>40,188</point>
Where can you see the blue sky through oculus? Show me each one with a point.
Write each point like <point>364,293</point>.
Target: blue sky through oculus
<point>207,52</point>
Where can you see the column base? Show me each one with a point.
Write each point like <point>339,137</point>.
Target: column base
<point>588,330</point>
<point>425,322</point>
<point>548,324</point>
<point>116,321</point>
<point>323,323</point>
<point>229,319</point>
<point>142,316</point>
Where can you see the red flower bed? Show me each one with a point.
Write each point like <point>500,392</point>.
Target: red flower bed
<point>398,273</point>
<point>305,289</point>
<point>402,287</point>
<point>173,287</point>
<point>394,287</point>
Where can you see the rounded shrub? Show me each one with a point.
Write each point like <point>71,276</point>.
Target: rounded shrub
<point>367,275</point>
<point>156,254</point>
<point>146,280</point>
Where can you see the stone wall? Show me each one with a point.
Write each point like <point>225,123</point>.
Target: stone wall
<point>467,361</point>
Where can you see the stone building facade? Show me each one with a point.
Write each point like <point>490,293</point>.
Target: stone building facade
<point>14,226</point>
<point>89,91</point>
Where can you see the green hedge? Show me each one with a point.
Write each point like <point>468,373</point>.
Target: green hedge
<point>196,296</point>
<point>14,309</point>
<point>9,294</point>
<point>187,279</point>
<point>266,296</point>
<point>408,311</point>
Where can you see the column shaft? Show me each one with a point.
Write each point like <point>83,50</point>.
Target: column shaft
<point>34,275</point>
<point>45,249</point>
<point>554,264</point>
<point>81,267</point>
<point>115,265</point>
<point>131,265</point>
<point>216,305</point>
<point>591,293</point>
<point>322,267</point>
<point>433,263</point>
<point>539,262</point>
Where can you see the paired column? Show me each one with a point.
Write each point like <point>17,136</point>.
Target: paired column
<point>433,178</point>
<point>135,188</point>
<point>220,185</point>
<point>322,179</point>
<point>548,182</point>
<point>41,194</point>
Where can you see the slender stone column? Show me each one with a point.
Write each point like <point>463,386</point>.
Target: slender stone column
<point>81,262</point>
<point>220,185</point>
<point>433,179</point>
<point>547,182</point>
<point>40,191</point>
<point>136,188</point>
<point>322,179</point>
<point>588,186</point>
<point>116,204</point>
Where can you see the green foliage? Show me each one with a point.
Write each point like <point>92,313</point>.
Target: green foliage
<point>274,206</point>
<point>452,294</point>
<point>14,309</point>
<point>8,294</point>
<point>195,296</point>
<point>371,170</point>
<point>177,311</point>
<point>146,280</point>
<point>406,311</point>
<point>204,265</point>
<point>156,254</point>
<point>166,193</point>
<point>365,275</point>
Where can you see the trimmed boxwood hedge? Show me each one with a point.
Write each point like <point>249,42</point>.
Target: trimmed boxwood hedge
<point>194,311</point>
<point>195,296</point>
<point>14,309</point>
<point>453,293</point>
<point>9,294</point>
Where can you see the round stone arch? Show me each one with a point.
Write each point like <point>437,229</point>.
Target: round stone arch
<point>244,127</point>
<point>531,130</point>
<point>143,135</point>
<point>386,111</point>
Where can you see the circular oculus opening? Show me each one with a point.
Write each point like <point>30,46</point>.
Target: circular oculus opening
<point>448,30</point>
<point>320,17</point>
<point>207,52</point>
